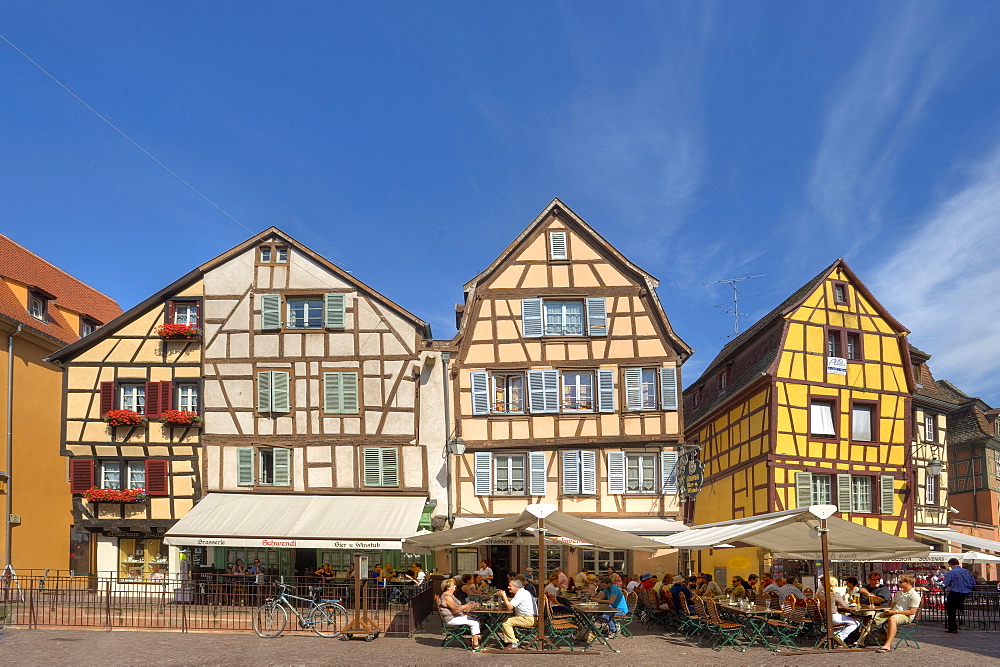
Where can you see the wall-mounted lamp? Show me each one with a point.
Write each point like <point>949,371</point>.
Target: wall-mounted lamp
<point>935,466</point>
<point>456,446</point>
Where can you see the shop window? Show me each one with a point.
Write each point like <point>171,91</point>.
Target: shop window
<point>142,560</point>
<point>263,466</point>
<point>277,561</point>
<point>599,561</point>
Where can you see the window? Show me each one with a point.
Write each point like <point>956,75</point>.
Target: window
<point>37,306</point>
<point>850,493</point>
<point>381,466</point>
<point>87,326</point>
<point>305,312</point>
<point>578,391</point>
<point>266,253</point>
<point>553,559</point>
<point>600,561</point>
<point>270,254</point>
<point>862,422</point>
<point>142,560</point>
<point>854,346</point>
<point>640,388</point>
<point>564,317</point>
<point>930,427</point>
<point>579,473</point>
<point>833,348</point>
<point>509,473</point>
<point>508,392</point>
<point>861,493</point>
<point>697,397</point>
<point>640,473</point>
<point>263,466</point>
<point>840,293</point>
<point>844,344</point>
<point>272,391</point>
<point>132,397</point>
<point>123,475</point>
<point>636,472</point>
<point>340,393</point>
<point>183,312</point>
<point>281,255</point>
<point>187,397</point>
<point>931,489</point>
<point>557,246</point>
<point>723,380</point>
<point>821,422</point>
<point>822,490</point>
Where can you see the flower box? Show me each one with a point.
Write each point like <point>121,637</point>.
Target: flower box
<point>180,419</point>
<point>125,418</point>
<point>98,495</point>
<point>178,332</point>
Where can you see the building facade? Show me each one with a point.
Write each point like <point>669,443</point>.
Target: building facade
<point>565,381</point>
<point>929,448</point>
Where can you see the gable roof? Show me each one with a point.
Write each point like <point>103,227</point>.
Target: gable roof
<point>20,265</point>
<point>173,288</point>
<point>925,386</point>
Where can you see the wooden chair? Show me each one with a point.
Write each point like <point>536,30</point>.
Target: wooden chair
<point>727,632</point>
<point>626,619</point>
<point>453,633</point>
<point>560,628</point>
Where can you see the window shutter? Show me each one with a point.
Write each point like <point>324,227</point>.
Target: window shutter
<point>480,392</point>
<point>279,391</point>
<point>244,466</point>
<point>390,466</point>
<point>282,466</point>
<point>606,390</point>
<point>153,400</point>
<point>536,473</point>
<point>531,318</point>
<point>668,388</point>
<point>270,312</point>
<point>803,489</point>
<point>372,460</point>
<point>349,387</point>
<point>588,473</point>
<point>332,393</point>
<point>571,473</point>
<point>264,391</point>
<point>171,310</point>
<point>633,388</point>
<point>668,470</point>
<point>557,245</point>
<point>887,494</point>
<point>543,391</point>
<point>156,477</point>
<point>597,317</point>
<point>484,473</point>
<point>166,396</point>
<point>843,493</point>
<point>340,393</point>
<point>335,310</point>
<point>81,475</point>
<point>107,398</point>
<point>616,472</point>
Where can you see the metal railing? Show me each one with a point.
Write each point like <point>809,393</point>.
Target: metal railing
<point>214,602</point>
<point>982,609</point>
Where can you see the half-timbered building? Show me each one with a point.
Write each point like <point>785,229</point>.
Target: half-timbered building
<point>566,381</point>
<point>810,405</point>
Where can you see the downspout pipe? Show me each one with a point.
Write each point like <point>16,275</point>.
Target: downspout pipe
<point>8,528</point>
<point>445,358</point>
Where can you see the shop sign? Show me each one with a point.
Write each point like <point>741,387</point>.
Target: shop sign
<point>281,543</point>
<point>693,473</point>
<point>836,365</point>
<point>132,534</point>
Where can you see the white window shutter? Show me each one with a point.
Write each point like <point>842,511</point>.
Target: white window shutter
<point>588,473</point>
<point>279,391</point>
<point>390,466</point>
<point>557,245</point>
<point>483,473</point>
<point>531,318</point>
<point>264,391</point>
<point>606,390</point>
<point>543,391</point>
<point>334,302</point>
<point>843,493</point>
<point>616,472</point>
<point>282,466</point>
<point>668,471</point>
<point>270,312</point>
<point>244,466</point>
<point>668,388</point>
<point>551,389</point>
<point>597,317</point>
<point>480,392</point>
<point>571,473</point>
<point>536,473</point>
<point>633,388</point>
<point>887,494</point>
<point>803,489</point>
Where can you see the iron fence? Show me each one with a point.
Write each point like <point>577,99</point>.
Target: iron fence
<point>215,602</point>
<point>982,609</point>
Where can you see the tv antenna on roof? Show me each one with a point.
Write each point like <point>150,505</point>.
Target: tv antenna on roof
<point>733,307</point>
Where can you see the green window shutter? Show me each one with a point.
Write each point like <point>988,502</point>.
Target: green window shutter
<point>282,466</point>
<point>887,494</point>
<point>803,489</point>
<point>372,460</point>
<point>264,391</point>
<point>843,493</point>
<point>571,473</point>
<point>279,391</point>
<point>270,312</point>
<point>349,393</point>
<point>331,393</point>
<point>390,466</point>
<point>668,388</point>
<point>616,472</point>
<point>244,466</point>
<point>334,310</point>
<point>340,393</point>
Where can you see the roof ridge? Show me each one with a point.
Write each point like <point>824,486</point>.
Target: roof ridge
<point>60,270</point>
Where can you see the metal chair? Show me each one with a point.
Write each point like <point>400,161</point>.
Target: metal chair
<point>904,633</point>
<point>453,633</point>
<point>727,632</point>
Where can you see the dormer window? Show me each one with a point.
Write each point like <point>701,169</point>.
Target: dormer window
<point>87,327</point>
<point>37,306</point>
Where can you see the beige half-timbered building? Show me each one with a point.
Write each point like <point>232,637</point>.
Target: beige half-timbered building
<point>566,382</point>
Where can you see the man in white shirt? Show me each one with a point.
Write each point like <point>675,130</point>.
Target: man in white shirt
<point>525,611</point>
<point>581,578</point>
<point>904,605</point>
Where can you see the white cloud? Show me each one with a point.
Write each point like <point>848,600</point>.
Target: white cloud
<point>943,284</point>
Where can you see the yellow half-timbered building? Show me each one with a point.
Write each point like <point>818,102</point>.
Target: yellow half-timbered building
<point>811,405</point>
<point>566,379</point>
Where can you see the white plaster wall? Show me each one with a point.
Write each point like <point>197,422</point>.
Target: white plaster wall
<point>345,467</point>
<point>413,466</point>
<point>212,461</point>
<point>321,477</point>
<point>232,277</point>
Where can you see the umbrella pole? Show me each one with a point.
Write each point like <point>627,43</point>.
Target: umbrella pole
<point>831,641</point>
<point>538,581</point>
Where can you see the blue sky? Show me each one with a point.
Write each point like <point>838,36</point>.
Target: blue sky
<point>410,142</point>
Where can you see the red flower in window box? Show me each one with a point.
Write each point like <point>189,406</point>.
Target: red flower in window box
<point>180,418</point>
<point>98,495</point>
<point>177,331</point>
<point>125,418</point>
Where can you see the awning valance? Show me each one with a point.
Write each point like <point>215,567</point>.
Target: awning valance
<point>948,535</point>
<point>298,521</point>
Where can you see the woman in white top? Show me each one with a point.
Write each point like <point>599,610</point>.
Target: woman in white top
<point>453,613</point>
<point>486,572</point>
<point>837,603</point>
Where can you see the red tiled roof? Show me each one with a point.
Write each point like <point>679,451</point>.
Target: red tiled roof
<point>20,265</point>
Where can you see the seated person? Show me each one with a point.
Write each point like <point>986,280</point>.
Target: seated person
<point>875,593</point>
<point>904,605</point>
<point>378,575</point>
<point>739,590</point>
<point>326,572</point>
<point>682,595</point>
<point>839,608</point>
<point>454,613</point>
<point>238,567</point>
<point>460,592</point>
<point>581,578</point>
<point>525,611</point>
<point>416,574</point>
<point>615,597</point>
<point>552,593</point>
<point>707,587</point>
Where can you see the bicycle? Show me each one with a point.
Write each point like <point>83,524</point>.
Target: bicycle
<point>324,617</point>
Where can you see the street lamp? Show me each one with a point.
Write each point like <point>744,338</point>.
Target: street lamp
<point>935,466</point>
<point>456,446</point>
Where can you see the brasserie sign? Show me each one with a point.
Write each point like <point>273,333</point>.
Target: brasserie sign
<point>692,473</point>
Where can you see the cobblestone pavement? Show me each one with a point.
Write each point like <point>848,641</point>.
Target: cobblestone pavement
<point>120,647</point>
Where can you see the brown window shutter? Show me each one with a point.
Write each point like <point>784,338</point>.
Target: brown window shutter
<point>156,477</point>
<point>81,475</point>
<point>166,396</point>
<point>171,309</point>
<point>153,399</point>
<point>107,397</point>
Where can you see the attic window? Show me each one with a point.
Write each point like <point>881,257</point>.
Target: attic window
<point>272,254</point>
<point>37,306</point>
<point>557,245</point>
<point>840,296</point>
<point>87,326</point>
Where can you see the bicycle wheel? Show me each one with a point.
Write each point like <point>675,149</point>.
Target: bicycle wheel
<point>269,620</point>
<point>327,619</point>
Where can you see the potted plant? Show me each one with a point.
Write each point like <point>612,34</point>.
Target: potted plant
<point>98,495</point>
<point>171,331</point>
<point>124,418</point>
<point>180,419</point>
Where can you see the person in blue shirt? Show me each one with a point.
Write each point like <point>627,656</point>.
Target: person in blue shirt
<point>681,591</point>
<point>959,582</point>
<point>615,597</point>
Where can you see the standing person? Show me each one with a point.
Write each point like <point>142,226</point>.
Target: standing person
<point>378,575</point>
<point>524,608</point>
<point>904,605</point>
<point>958,582</point>
<point>453,612</point>
<point>486,572</point>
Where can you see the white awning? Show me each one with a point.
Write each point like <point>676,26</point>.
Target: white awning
<point>947,535</point>
<point>298,521</point>
<point>789,534</point>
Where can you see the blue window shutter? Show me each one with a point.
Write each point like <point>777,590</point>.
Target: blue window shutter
<point>616,472</point>
<point>480,392</point>
<point>668,470</point>
<point>279,391</point>
<point>668,388</point>
<point>536,473</point>
<point>270,312</point>
<point>282,466</point>
<point>597,317</point>
<point>633,388</point>
<point>606,390</point>
<point>244,466</point>
<point>334,302</point>
<point>804,489</point>
<point>571,473</point>
<point>588,473</point>
<point>483,473</point>
<point>531,318</point>
<point>264,391</point>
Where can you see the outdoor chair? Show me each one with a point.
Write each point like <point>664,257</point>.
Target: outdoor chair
<point>626,620</point>
<point>453,633</point>
<point>819,621</point>
<point>703,622</point>
<point>651,614</point>
<point>727,632</point>
<point>904,633</point>
<point>561,629</point>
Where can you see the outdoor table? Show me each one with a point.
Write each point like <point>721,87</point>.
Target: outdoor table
<point>589,612</point>
<point>753,621</point>
<point>866,614</point>
<point>491,618</point>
